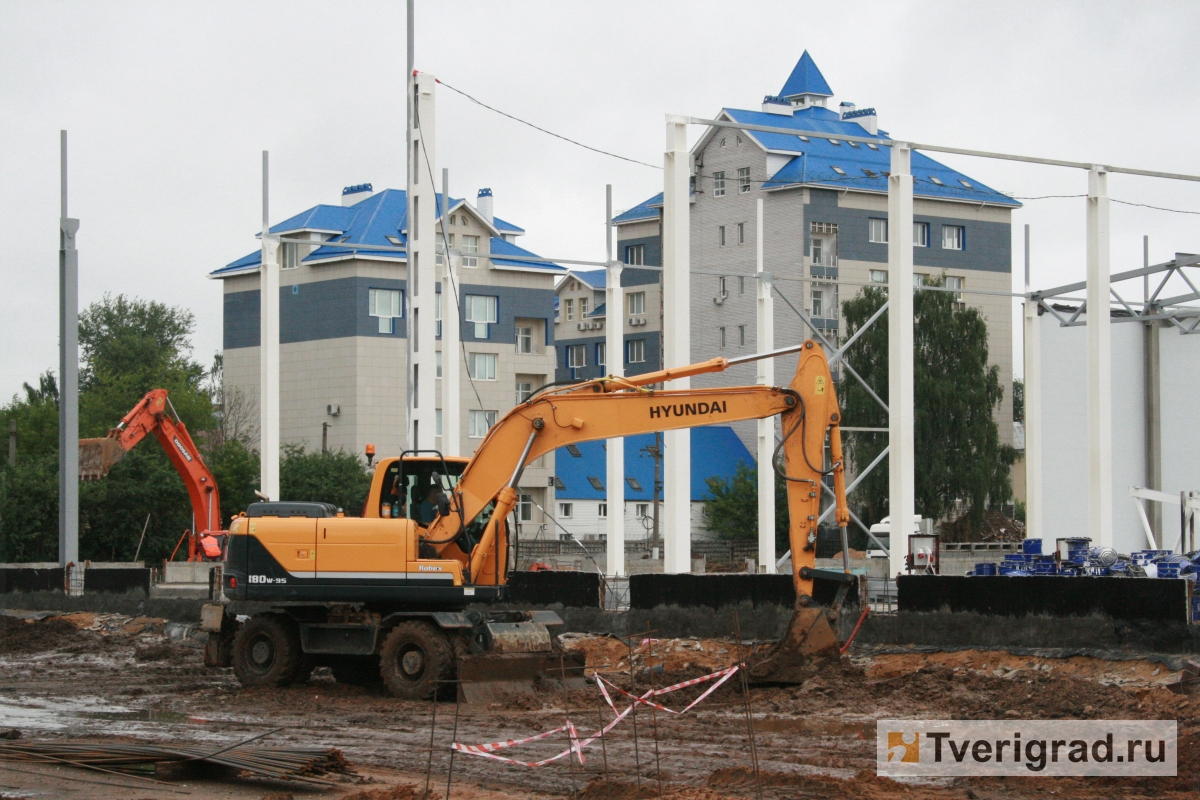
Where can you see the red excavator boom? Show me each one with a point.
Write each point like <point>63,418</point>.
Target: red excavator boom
<point>97,457</point>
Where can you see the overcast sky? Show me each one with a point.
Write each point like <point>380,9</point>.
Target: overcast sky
<point>170,104</point>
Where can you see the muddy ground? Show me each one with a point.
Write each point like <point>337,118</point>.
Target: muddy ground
<point>94,677</point>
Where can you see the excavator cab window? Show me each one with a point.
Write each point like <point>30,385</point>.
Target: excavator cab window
<point>406,492</point>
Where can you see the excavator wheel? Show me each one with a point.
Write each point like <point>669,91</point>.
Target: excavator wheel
<point>356,670</point>
<point>267,652</point>
<point>415,658</point>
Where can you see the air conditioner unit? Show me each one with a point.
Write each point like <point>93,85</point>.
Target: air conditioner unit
<point>333,410</point>
<point>579,326</point>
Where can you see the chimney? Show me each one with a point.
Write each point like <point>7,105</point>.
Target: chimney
<point>483,204</point>
<point>776,105</point>
<point>356,193</point>
<point>845,108</point>
<point>864,117</point>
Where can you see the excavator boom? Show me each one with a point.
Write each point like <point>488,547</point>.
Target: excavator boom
<point>150,416</point>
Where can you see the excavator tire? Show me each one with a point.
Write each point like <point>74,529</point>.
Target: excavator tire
<point>415,657</point>
<point>267,652</point>
<point>356,670</point>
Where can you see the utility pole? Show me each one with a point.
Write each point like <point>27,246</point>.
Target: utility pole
<point>901,458</point>
<point>614,363</point>
<point>68,372</point>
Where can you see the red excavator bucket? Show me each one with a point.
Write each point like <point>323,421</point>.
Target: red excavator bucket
<point>97,457</point>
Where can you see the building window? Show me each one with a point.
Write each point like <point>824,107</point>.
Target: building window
<point>920,234</point>
<point>525,507</point>
<point>481,311</point>
<point>741,284</point>
<point>635,254</point>
<point>823,244</point>
<point>385,304</point>
<point>721,337</point>
<point>453,219</point>
<point>600,354</point>
<point>437,312</point>
<point>439,363</point>
<point>641,510</point>
<point>524,339</point>
<point>636,303</point>
<point>479,422</point>
<point>482,366</point>
<point>953,237</point>
<point>920,279</point>
<point>744,180</point>
<point>291,255</point>
<point>437,414</point>
<point>956,284</point>
<point>879,276</point>
<point>721,235</point>
<point>596,483</point>
<point>722,288</point>
<point>633,484</point>
<point>818,303</point>
<point>470,248</point>
<point>583,307</point>
<point>602,510</point>
<point>577,356</point>
<point>524,391</point>
<point>741,226</point>
<point>570,309</point>
<point>877,231</point>
<point>741,335</point>
<point>636,351</point>
<point>719,183</point>
<point>566,510</point>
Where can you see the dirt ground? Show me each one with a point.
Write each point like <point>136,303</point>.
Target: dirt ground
<point>94,677</point>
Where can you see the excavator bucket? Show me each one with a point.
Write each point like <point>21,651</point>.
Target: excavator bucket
<point>520,657</point>
<point>490,678</point>
<point>97,457</point>
<point>809,645</point>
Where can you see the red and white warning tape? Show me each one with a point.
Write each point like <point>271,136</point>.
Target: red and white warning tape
<point>576,744</point>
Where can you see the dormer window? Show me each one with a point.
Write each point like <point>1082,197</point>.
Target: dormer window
<point>872,146</point>
<point>852,144</point>
<point>935,181</point>
<point>834,142</point>
<point>802,138</point>
<point>838,170</point>
<point>966,184</point>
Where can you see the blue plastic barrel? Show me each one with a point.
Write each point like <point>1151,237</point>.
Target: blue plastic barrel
<point>985,569</point>
<point>1031,547</point>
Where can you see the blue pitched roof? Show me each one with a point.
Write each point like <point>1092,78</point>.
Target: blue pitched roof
<point>374,220</point>
<point>716,452</point>
<point>805,79</point>
<point>595,278</point>
<point>501,247</point>
<point>599,311</point>
<point>647,209</point>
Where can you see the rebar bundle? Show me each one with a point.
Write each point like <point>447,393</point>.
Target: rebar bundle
<point>301,764</point>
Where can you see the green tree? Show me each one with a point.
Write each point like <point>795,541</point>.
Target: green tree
<point>1018,400</point>
<point>731,510</point>
<point>129,346</point>
<point>339,478</point>
<point>957,441</point>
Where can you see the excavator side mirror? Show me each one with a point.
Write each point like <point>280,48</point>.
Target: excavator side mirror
<point>443,504</point>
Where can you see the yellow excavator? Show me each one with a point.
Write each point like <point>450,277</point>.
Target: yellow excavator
<point>406,593</point>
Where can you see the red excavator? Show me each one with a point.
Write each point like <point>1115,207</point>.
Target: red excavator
<point>97,457</point>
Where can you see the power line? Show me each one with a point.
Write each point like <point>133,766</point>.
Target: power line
<point>543,130</point>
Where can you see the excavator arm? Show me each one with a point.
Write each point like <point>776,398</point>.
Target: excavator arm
<point>149,416</point>
<point>614,407</point>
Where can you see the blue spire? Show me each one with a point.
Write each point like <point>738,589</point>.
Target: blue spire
<point>806,79</point>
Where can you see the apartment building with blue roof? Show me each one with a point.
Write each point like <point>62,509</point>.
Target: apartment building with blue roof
<point>826,229</point>
<point>343,331</point>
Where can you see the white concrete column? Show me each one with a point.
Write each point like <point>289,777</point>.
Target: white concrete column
<point>1099,374</point>
<point>766,427</point>
<point>1033,412</point>
<point>268,349</point>
<point>901,457</point>
<point>452,359</point>
<point>452,365</point>
<point>677,345</point>
<point>422,269</point>
<point>68,376</point>
<point>614,364</point>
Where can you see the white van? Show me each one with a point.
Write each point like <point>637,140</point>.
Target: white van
<point>882,531</point>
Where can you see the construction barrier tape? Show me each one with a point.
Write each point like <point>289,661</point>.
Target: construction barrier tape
<point>577,745</point>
